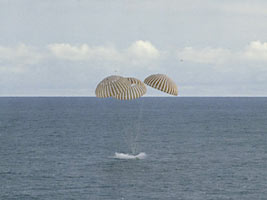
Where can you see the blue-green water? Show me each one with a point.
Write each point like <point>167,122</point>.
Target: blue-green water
<point>197,148</point>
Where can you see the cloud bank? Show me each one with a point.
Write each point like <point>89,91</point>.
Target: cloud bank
<point>139,50</point>
<point>82,52</point>
<point>21,54</point>
<point>255,51</point>
<point>63,68</point>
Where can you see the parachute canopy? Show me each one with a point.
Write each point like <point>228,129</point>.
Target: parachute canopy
<point>136,90</point>
<point>120,88</point>
<point>131,88</point>
<point>112,86</point>
<point>163,83</point>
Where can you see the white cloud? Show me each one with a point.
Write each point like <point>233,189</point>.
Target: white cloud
<point>256,51</point>
<point>20,55</point>
<point>83,52</point>
<point>143,49</point>
<point>205,55</point>
<point>138,50</point>
<point>20,58</point>
<point>138,53</point>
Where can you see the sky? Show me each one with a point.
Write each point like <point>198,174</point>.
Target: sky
<point>65,47</point>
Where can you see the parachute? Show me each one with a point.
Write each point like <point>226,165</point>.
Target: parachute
<point>163,83</point>
<point>136,90</point>
<point>112,86</point>
<point>120,88</point>
<point>131,88</point>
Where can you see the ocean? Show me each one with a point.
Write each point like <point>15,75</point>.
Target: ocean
<point>192,148</point>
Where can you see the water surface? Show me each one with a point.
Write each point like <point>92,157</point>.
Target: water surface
<point>197,148</point>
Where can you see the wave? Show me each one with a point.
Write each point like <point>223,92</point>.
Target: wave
<point>141,155</point>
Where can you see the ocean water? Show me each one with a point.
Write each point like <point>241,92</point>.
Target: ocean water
<point>191,148</point>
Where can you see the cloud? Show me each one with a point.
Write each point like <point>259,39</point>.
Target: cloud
<point>83,52</point>
<point>138,50</point>
<point>20,55</point>
<point>20,58</point>
<point>138,53</point>
<point>37,68</point>
<point>143,49</point>
<point>205,55</point>
<point>255,51</point>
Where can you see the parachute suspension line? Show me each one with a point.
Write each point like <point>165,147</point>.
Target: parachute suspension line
<point>155,107</point>
<point>127,138</point>
<point>134,146</point>
<point>126,130</point>
<point>129,88</point>
<point>131,131</point>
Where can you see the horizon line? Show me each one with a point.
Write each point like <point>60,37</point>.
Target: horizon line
<point>197,96</point>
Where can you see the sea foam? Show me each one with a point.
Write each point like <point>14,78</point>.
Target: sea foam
<point>141,155</point>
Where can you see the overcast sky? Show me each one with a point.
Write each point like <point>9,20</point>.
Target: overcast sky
<point>65,47</point>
